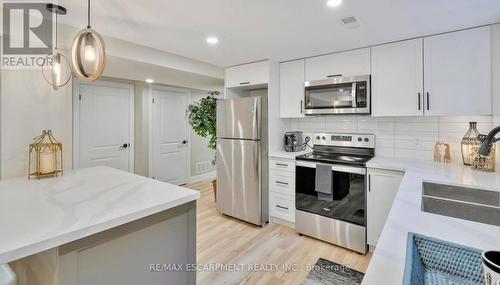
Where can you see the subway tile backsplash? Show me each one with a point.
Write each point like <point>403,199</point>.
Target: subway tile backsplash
<point>405,137</point>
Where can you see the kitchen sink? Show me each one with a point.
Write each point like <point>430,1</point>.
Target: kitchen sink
<point>473,204</point>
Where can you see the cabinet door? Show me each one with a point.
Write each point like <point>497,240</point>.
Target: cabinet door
<point>292,89</point>
<point>382,189</point>
<point>457,73</point>
<point>349,63</point>
<point>397,79</point>
<point>247,74</point>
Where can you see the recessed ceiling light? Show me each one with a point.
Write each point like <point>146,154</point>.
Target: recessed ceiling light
<point>212,40</point>
<point>333,3</point>
<point>149,80</point>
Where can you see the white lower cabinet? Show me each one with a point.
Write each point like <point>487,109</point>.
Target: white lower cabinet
<point>383,186</point>
<point>282,189</point>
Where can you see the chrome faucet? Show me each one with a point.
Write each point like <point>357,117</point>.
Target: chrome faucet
<point>488,141</point>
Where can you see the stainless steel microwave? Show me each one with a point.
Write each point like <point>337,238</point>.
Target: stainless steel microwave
<point>338,95</point>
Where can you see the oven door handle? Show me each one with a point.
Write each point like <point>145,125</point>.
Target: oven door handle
<point>335,167</point>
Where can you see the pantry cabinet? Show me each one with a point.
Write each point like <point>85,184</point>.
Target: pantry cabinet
<point>457,73</point>
<point>247,75</point>
<point>397,79</point>
<point>383,186</point>
<point>349,63</point>
<point>292,89</point>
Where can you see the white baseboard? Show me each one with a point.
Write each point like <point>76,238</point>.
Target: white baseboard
<point>201,177</point>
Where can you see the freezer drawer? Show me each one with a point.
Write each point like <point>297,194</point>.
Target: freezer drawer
<point>239,118</point>
<point>239,189</point>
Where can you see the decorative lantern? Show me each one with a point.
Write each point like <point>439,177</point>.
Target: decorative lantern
<point>470,143</point>
<point>45,156</point>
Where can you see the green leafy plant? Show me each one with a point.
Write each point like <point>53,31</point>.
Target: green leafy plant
<point>202,118</point>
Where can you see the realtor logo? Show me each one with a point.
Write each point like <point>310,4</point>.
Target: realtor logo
<point>27,34</point>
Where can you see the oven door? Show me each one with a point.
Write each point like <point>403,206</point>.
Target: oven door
<point>348,185</point>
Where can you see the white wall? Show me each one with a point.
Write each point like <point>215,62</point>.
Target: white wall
<point>402,137</point>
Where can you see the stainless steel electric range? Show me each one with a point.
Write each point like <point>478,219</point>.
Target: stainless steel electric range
<point>330,189</point>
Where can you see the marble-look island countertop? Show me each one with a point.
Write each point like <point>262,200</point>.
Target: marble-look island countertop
<point>36,215</point>
<point>388,261</point>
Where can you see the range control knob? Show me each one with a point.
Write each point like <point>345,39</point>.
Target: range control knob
<point>367,139</point>
<point>323,138</point>
<point>360,139</point>
<point>317,137</point>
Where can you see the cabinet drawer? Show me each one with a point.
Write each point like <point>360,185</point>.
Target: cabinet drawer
<point>282,182</point>
<point>283,165</point>
<point>282,207</point>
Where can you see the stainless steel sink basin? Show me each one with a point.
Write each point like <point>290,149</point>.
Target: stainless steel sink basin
<point>465,203</point>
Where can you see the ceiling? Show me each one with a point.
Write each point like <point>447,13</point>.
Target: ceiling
<point>251,30</point>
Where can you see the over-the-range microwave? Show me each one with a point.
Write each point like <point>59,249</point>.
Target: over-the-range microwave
<point>338,95</point>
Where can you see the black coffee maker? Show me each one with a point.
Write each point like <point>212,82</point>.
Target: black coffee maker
<point>294,141</point>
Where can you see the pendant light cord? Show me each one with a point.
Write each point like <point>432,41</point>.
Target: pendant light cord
<point>88,15</point>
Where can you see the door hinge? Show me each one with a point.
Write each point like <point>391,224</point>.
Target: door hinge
<point>80,97</point>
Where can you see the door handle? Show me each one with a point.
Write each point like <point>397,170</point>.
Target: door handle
<point>301,110</point>
<point>125,145</point>
<point>184,142</point>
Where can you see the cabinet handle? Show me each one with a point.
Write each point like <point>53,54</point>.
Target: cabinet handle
<point>369,183</point>
<point>282,183</point>
<point>281,207</point>
<point>428,102</point>
<point>245,83</point>
<point>301,107</point>
<point>282,164</point>
<point>334,75</point>
<point>419,101</point>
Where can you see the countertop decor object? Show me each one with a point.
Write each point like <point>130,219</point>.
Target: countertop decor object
<point>434,261</point>
<point>491,266</point>
<point>45,157</point>
<point>442,152</point>
<point>57,58</point>
<point>88,54</point>
<point>470,142</point>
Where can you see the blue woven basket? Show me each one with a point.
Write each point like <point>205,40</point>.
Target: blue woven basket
<point>433,261</point>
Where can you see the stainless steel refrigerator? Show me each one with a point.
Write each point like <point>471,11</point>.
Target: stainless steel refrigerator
<point>242,165</point>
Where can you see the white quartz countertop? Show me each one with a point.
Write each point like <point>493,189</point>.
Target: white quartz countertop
<point>36,215</point>
<point>388,261</point>
<point>287,155</point>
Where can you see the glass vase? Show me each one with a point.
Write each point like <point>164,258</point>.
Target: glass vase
<point>470,142</point>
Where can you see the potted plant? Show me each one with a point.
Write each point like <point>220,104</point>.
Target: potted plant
<point>202,118</point>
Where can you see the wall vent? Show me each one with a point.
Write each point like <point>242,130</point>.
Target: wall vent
<point>203,167</point>
<point>350,22</point>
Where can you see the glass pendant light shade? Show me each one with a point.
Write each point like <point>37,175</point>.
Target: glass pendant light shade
<point>470,144</point>
<point>88,55</point>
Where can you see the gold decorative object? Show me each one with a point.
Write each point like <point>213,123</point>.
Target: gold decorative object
<point>45,156</point>
<point>442,152</point>
<point>483,163</point>
<point>470,141</point>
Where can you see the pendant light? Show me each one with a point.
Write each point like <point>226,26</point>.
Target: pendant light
<point>56,58</point>
<point>88,54</point>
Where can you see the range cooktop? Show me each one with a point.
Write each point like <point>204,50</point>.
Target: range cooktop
<point>335,158</point>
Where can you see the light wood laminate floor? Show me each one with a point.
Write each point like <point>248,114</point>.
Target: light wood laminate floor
<point>225,240</point>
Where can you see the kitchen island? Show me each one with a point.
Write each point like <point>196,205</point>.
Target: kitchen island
<point>388,261</point>
<point>97,225</point>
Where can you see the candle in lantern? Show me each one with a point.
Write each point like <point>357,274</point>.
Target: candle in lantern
<point>46,163</point>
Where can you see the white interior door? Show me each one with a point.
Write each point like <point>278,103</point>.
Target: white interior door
<point>169,136</point>
<point>104,125</point>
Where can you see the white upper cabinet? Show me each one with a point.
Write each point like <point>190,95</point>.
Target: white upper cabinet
<point>457,73</point>
<point>256,73</point>
<point>397,79</point>
<point>292,89</point>
<point>349,63</point>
